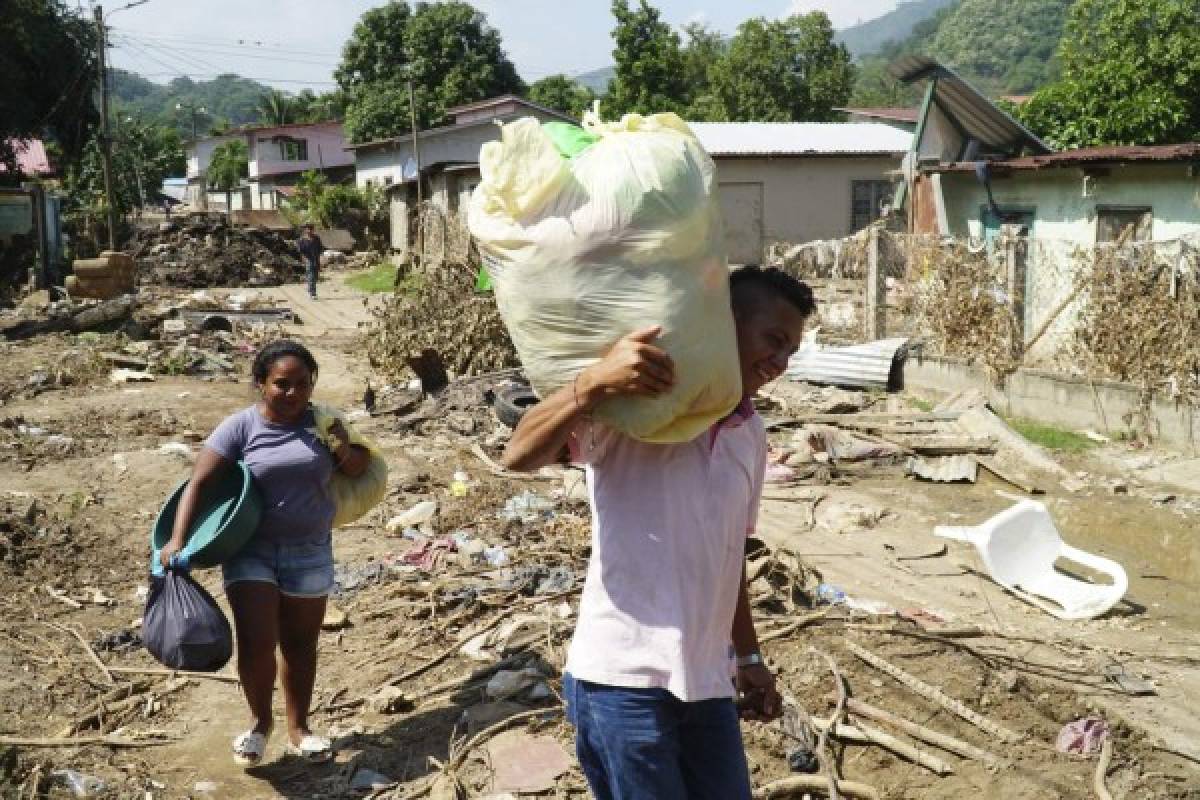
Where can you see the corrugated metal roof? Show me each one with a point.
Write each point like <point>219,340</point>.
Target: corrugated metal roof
<point>31,157</point>
<point>1188,151</point>
<point>978,116</point>
<point>800,138</point>
<point>874,365</point>
<point>896,114</point>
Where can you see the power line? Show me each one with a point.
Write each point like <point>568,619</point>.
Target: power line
<point>181,48</point>
<point>232,43</point>
<point>210,76</point>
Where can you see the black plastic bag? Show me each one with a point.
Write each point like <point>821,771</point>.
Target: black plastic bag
<point>183,627</point>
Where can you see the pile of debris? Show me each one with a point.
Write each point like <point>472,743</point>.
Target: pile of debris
<point>445,314</point>
<point>204,250</point>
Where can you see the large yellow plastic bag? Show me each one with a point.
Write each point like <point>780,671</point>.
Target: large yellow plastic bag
<point>625,235</point>
<point>353,497</point>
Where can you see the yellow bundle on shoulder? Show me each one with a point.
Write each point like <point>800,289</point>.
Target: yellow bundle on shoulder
<point>353,497</point>
<point>590,234</point>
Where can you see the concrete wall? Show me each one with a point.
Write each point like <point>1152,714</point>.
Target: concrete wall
<point>1064,401</point>
<point>805,197</point>
<point>1063,212</point>
<point>326,149</point>
<point>199,154</point>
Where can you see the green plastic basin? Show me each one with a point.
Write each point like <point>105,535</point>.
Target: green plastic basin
<point>227,515</point>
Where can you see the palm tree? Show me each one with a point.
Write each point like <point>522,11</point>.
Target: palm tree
<point>276,108</point>
<point>230,163</point>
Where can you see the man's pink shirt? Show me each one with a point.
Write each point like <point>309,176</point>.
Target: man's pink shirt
<point>669,527</point>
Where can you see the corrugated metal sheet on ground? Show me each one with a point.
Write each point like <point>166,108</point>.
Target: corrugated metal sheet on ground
<point>799,138</point>
<point>864,366</point>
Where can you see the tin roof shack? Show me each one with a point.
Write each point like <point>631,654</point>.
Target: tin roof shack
<point>1086,196</point>
<point>448,157</point>
<point>788,182</point>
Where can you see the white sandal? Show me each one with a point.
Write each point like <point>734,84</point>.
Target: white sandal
<point>312,748</point>
<point>249,748</point>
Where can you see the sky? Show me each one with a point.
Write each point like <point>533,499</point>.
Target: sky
<point>295,44</point>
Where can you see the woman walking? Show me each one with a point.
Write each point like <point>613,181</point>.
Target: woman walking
<point>278,583</point>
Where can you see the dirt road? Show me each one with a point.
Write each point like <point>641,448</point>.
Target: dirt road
<point>75,522</point>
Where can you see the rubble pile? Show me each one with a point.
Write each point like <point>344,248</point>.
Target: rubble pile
<point>445,314</point>
<point>203,250</point>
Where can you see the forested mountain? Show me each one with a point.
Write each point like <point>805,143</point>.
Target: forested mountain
<point>1003,47</point>
<point>227,100</point>
<point>869,37</point>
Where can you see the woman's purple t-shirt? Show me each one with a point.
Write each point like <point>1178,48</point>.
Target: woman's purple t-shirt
<point>291,469</point>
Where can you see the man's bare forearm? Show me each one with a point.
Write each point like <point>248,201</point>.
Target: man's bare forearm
<point>745,639</point>
<point>543,431</point>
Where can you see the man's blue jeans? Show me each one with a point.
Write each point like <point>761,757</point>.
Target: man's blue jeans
<point>647,744</point>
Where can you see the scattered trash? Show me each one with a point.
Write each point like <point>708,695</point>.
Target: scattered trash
<point>129,376</point>
<point>1020,546</point>
<point>830,594</point>
<point>80,784</point>
<point>459,485</point>
<point>335,619</point>
<point>803,760</point>
<point>511,682</point>
<point>1129,684</point>
<point>525,763</point>
<point>528,507</point>
<point>946,469</point>
<point>419,516</point>
<point>205,787</point>
<point>368,779</point>
<point>118,641</point>
<point>175,449</point>
<point>1083,737</point>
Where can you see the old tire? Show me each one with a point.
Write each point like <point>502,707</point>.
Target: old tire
<point>511,403</point>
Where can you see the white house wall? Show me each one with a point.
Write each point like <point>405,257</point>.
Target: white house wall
<point>805,198</point>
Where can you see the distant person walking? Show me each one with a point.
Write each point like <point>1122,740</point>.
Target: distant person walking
<point>311,248</point>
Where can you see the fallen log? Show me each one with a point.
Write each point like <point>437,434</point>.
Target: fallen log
<point>936,738</point>
<point>935,694</point>
<point>799,785</point>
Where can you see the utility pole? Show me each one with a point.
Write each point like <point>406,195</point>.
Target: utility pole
<point>105,138</point>
<point>412,112</point>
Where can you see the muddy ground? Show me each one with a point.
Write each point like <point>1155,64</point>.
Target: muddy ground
<point>75,514</point>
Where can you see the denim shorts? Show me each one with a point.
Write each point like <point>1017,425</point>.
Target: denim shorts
<point>301,569</point>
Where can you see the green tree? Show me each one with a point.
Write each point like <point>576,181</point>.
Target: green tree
<point>48,69</point>
<point>562,94</point>
<point>703,49</point>
<point>448,51</point>
<point>649,73</point>
<point>323,107</point>
<point>229,165</point>
<point>1130,75</point>
<point>784,70</point>
<point>277,108</point>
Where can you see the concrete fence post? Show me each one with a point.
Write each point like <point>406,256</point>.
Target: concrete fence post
<point>876,305</point>
<point>1014,262</point>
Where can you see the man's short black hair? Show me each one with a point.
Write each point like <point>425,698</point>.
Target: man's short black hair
<point>776,281</point>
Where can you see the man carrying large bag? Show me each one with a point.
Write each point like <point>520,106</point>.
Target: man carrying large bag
<point>648,672</point>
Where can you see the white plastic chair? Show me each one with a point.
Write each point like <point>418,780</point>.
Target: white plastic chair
<point>1019,547</point>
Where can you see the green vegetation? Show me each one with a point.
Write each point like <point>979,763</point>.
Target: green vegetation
<point>1051,437</point>
<point>380,278</point>
<point>771,70</point>
<point>921,403</point>
<point>782,71</point>
<point>999,46</point>
<point>562,94</point>
<point>49,70</point>
<point>869,37</point>
<point>1130,75</point>
<point>229,165</point>
<point>448,51</point>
